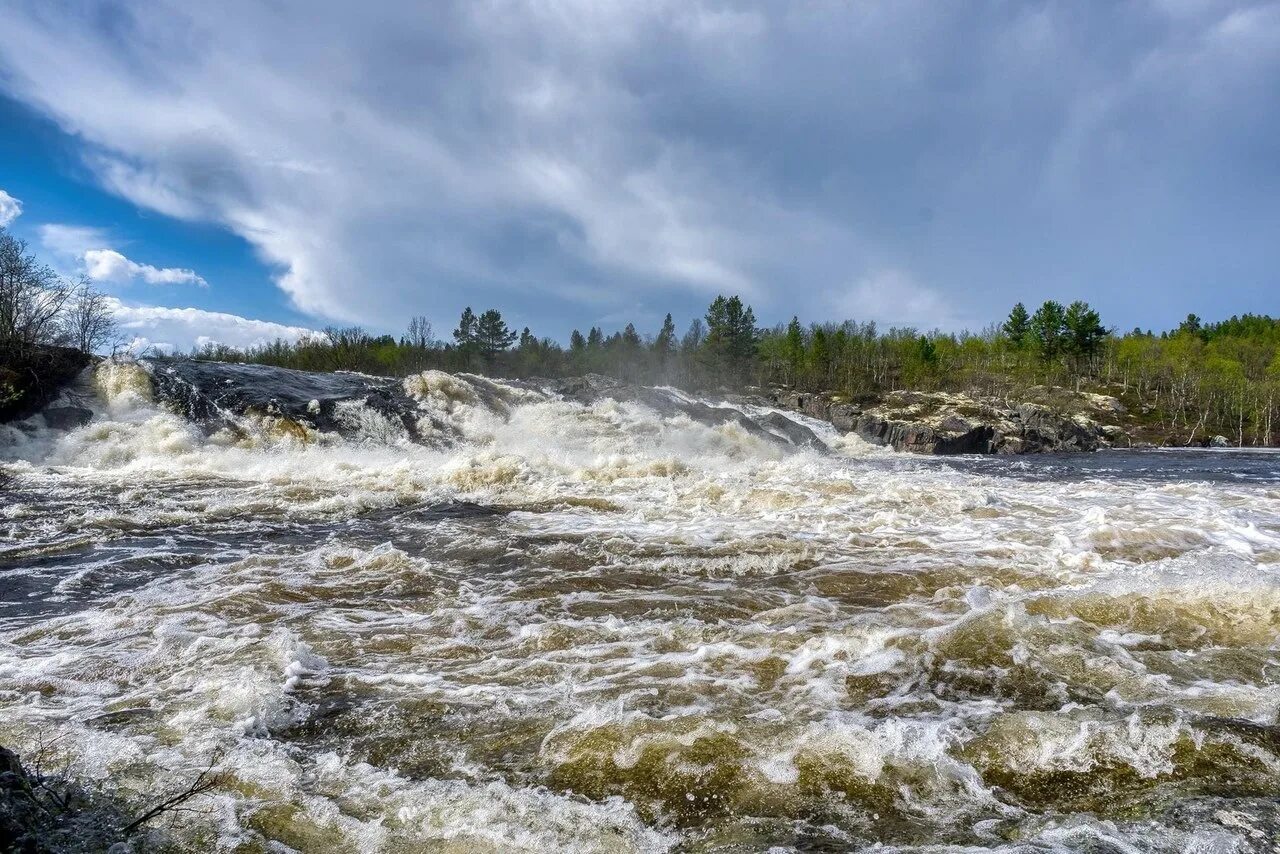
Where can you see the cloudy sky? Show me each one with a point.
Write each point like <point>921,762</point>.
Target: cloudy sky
<point>243,169</point>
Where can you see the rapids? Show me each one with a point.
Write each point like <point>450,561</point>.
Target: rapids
<point>526,623</point>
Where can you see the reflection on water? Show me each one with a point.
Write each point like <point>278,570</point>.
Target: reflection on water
<point>599,629</point>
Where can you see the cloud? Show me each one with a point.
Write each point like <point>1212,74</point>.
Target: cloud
<point>515,154</point>
<point>86,246</point>
<point>110,265</point>
<point>180,329</point>
<point>10,209</point>
<point>894,298</point>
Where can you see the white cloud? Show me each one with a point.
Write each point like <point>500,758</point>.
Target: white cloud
<point>658,152</point>
<point>894,298</point>
<point>180,329</point>
<point>70,242</point>
<point>86,246</point>
<point>10,208</point>
<point>110,265</point>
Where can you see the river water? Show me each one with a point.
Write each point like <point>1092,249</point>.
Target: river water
<point>592,628</point>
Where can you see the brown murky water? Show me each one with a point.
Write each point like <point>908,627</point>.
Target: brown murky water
<point>597,629</point>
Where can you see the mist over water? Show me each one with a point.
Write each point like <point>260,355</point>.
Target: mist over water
<point>571,627</point>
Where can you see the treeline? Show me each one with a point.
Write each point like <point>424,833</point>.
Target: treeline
<point>1184,384</point>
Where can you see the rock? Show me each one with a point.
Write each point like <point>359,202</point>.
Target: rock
<point>293,401</point>
<point>942,423</point>
<point>1115,435</point>
<point>66,417</point>
<point>33,379</point>
<point>843,416</point>
<point>1219,442</point>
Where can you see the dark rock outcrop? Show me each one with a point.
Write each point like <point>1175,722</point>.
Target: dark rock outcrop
<point>66,417</point>
<point>212,392</point>
<point>42,814</point>
<point>30,380</point>
<point>939,423</point>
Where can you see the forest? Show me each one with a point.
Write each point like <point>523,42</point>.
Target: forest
<point>1191,382</point>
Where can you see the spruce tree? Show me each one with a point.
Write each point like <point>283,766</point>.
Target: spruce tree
<point>1047,329</point>
<point>492,335</point>
<point>1017,326</point>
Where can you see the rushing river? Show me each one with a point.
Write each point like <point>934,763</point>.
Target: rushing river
<point>578,628</point>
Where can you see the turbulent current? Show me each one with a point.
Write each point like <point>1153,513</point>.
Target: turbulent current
<point>546,625</point>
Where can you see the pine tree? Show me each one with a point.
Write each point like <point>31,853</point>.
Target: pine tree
<point>576,342</point>
<point>1017,327</point>
<point>465,334</point>
<point>1084,332</point>
<point>1047,328</point>
<point>492,335</point>
<point>730,346</point>
<point>664,345</point>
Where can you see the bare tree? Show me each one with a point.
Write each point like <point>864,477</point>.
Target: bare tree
<point>32,297</point>
<point>87,319</point>
<point>420,332</point>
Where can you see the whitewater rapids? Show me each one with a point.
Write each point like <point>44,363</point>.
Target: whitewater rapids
<point>598,628</point>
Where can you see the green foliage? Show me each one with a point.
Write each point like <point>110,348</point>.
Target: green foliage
<point>1017,328</point>
<point>1047,327</point>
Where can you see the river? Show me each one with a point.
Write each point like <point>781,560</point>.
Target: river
<point>593,627</point>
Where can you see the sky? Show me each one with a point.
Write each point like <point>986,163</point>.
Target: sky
<point>241,171</point>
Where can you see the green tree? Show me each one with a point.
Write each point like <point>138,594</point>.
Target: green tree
<point>1083,331</point>
<point>1047,327</point>
<point>730,345</point>
<point>1017,326</point>
<point>664,345</point>
<point>927,351</point>
<point>492,335</point>
<point>793,348</point>
<point>819,357</point>
<point>465,334</point>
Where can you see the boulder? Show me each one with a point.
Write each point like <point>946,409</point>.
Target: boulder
<point>66,417</point>
<point>1219,442</point>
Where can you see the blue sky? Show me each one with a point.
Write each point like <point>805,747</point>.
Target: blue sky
<point>241,170</point>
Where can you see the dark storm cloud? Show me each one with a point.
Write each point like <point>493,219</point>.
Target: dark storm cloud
<point>909,162</point>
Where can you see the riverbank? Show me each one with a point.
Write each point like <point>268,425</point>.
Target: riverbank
<point>30,380</point>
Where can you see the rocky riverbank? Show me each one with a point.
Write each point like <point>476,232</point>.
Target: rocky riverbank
<point>31,380</point>
<point>1055,420</point>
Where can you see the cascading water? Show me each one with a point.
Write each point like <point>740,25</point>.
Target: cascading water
<point>479,616</point>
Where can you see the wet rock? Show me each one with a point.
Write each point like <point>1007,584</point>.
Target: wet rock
<point>1254,823</point>
<point>1219,442</point>
<point>297,401</point>
<point>44,814</point>
<point>66,417</point>
<point>30,380</point>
